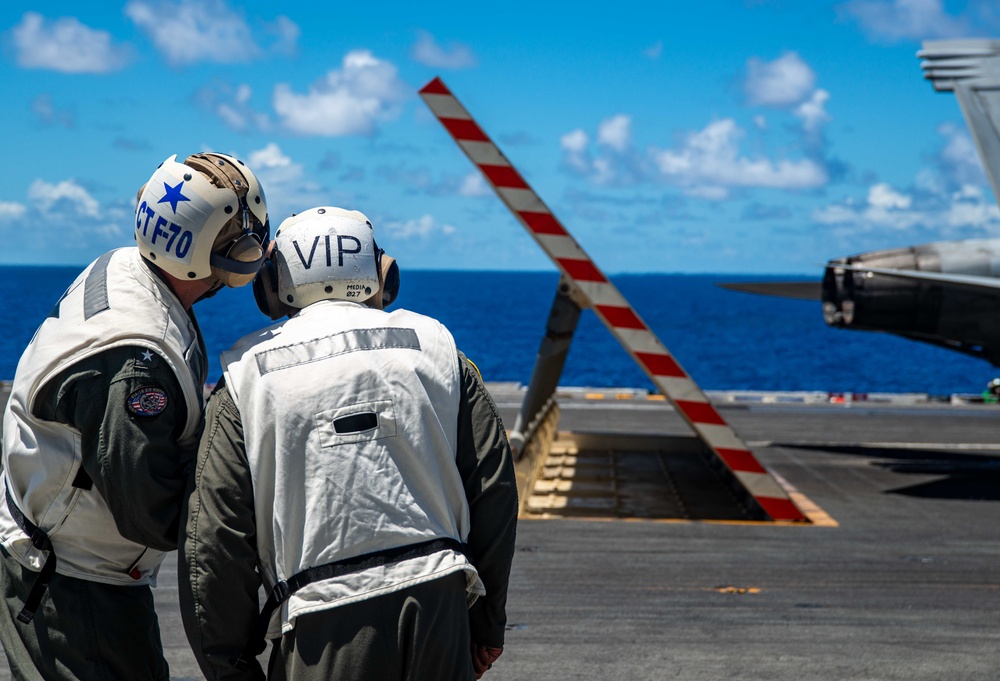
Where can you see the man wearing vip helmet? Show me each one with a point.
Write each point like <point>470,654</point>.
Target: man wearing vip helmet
<point>102,424</point>
<point>353,462</point>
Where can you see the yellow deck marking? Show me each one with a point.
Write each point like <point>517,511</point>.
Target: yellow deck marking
<point>809,508</point>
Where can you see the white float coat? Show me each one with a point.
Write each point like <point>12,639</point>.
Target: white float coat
<point>350,419</point>
<point>117,301</point>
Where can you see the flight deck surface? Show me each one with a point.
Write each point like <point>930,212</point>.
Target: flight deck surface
<point>900,581</point>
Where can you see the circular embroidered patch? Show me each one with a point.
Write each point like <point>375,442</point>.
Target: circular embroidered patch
<point>147,401</point>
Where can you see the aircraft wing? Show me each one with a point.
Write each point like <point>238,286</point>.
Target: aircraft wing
<point>800,290</point>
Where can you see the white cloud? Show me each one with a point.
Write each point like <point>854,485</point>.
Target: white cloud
<point>279,175</point>
<point>455,56</point>
<point>655,50</point>
<point>887,208</point>
<point>287,186</point>
<point>232,117</point>
<point>574,145</point>
<point>191,31</point>
<point>574,142</point>
<point>838,214</point>
<point>970,207</point>
<point>243,93</point>
<point>234,106</point>
<point>905,19</point>
<point>287,34</point>
<point>10,210</point>
<point>270,157</point>
<point>954,166</point>
<point>948,198</point>
<point>49,114</point>
<point>883,197</point>
<point>812,112</point>
<point>419,228</point>
<point>958,159</point>
<point>42,107</point>
<point>788,83</point>
<point>784,82</point>
<point>616,132</point>
<point>66,196</point>
<point>607,171</point>
<point>614,162</point>
<point>65,45</point>
<point>709,162</point>
<point>66,222</point>
<point>351,101</point>
<point>473,184</point>
<point>706,164</point>
<point>959,149</point>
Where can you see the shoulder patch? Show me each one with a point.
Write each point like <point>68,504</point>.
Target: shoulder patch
<point>149,400</point>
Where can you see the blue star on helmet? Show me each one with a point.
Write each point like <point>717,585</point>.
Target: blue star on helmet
<point>173,195</point>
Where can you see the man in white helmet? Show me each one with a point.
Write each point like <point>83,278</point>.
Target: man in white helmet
<point>103,423</point>
<point>353,463</point>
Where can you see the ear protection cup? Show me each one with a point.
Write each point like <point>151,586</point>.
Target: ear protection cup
<point>239,264</point>
<point>388,280</point>
<point>265,292</point>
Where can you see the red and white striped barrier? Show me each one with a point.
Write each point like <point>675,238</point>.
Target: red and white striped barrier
<point>611,307</point>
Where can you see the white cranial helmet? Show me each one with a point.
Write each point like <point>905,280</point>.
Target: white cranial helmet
<point>203,218</point>
<point>325,253</point>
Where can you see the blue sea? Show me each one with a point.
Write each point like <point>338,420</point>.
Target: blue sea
<point>725,340</point>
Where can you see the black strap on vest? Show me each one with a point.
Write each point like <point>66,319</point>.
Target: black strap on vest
<point>282,590</point>
<point>40,540</point>
<point>82,480</point>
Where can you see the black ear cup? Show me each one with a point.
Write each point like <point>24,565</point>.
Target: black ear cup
<point>265,292</point>
<point>390,280</point>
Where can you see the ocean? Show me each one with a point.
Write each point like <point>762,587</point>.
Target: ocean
<point>725,340</point>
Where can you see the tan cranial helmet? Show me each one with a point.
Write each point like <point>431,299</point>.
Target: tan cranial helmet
<point>205,218</point>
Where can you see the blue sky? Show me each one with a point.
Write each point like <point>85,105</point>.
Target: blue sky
<point>739,136</point>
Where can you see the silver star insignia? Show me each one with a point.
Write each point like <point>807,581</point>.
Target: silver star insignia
<point>147,356</point>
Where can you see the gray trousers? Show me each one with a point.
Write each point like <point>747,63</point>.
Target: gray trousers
<point>82,630</point>
<point>418,634</point>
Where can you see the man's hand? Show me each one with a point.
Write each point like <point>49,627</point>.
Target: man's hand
<point>483,658</point>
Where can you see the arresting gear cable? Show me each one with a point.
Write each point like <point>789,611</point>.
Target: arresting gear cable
<point>40,540</point>
<point>282,590</point>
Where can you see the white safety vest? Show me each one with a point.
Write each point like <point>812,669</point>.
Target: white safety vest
<point>350,419</point>
<point>117,301</point>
